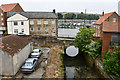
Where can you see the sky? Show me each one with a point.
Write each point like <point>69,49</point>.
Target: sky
<point>92,6</point>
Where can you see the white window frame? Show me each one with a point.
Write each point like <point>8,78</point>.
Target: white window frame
<point>39,28</point>
<point>114,19</point>
<point>46,28</point>
<point>1,18</point>
<point>31,22</point>
<point>45,22</point>
<point>53,22</point>
<point>1,14</point>
<point>22,30</point>
<point>38,22</point>
<point>2,23</point>
<point>53,34</point>
<point>15,24</point>
<point>22,22</point>
<point>15,31</point>
<point>53,27</point>
<point>31,29</point>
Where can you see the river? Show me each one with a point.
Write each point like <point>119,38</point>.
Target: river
<point>77,67</point>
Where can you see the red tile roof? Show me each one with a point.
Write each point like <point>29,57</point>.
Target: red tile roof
<point>12,44</point>
<point>8,7</point>
<point>101,20</point>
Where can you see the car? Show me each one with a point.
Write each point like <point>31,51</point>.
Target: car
<point>20,33</point>
<point>36,53</point>
<point>29,65</point>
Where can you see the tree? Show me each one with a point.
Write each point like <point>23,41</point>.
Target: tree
<point>81,16</point>
<point>111,61</point>
<point>60,16</point>
<point>84,38</point>
<point>70,16</point>
<point>94,48</point>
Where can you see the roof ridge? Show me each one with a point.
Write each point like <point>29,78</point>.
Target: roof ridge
<point>9,4</point>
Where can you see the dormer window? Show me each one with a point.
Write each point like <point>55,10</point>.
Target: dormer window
<point>114,19</point>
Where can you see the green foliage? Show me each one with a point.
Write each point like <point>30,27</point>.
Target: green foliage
<point>70,16</point>
<point>60,16</point>
<point>94,48</point>
<point>111,61</point>
<point>87,16</point>
<point>84,38</point>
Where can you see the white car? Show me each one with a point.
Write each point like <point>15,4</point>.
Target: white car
<point>36,53</point>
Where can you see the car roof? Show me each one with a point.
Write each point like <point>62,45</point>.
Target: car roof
<point>36,49</point>
<point>30,59</point>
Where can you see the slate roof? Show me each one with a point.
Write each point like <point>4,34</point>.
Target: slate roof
<point>8,7</point>
<point>12,44</point>
<point>103,18</point>
<point>35,15</point>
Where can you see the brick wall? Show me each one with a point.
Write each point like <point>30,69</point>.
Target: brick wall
<point>107,37</point>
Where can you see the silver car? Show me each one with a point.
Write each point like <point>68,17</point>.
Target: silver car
<point>29,65</point>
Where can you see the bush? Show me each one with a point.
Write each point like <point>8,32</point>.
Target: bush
<point>111,61</point>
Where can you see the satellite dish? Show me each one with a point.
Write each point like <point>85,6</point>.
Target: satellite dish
<point>72,51</point>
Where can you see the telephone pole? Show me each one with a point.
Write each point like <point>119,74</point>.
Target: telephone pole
<point>85,18</point>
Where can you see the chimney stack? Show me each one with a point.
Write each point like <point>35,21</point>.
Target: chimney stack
<point>53,10</point>
<point>103,13</point>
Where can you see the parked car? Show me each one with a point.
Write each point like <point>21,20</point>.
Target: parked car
<point>29,65</point>
<point>36,53</point>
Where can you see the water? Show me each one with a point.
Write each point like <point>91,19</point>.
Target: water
<point>77,67</point>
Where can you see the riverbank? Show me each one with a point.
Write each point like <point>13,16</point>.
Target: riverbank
<point>55,67</point>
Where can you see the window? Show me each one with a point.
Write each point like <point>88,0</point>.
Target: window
<point>22,23</point>
<point>31,29</point>
<point>15,23</point>
<point>53,33</point>
<point>1,18</point>
<point>38,22</point>
<point>1,14</point>
<point>114,19</point>
<point>2,23</point>
<point>39,29</point>
<point>115,40</point>
<point>22,30</point>
<point>46,29</point>
<point>53,22</point>
<point>31,22</point>
<point>45,22</point>
<point>53,28</point>
<point>46,34</point>
<point>15,31</point>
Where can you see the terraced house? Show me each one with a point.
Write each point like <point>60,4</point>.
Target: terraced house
<point>33,23</point>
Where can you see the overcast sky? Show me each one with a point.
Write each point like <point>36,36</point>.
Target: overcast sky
<point>92,6</point>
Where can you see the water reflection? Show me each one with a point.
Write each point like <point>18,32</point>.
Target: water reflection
<point>77,67</point>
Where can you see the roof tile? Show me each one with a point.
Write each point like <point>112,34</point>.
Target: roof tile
<point>8,7</point>
<point>103,18</point>
<point>13,44</point>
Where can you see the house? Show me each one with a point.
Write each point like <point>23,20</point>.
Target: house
<point>35,23</point>
<point>108,27</point>
<point>17,24</point>
<point>4,8</point>
<point>13,52</point>
<point>99,24</point>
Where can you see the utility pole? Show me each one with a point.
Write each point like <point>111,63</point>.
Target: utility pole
<point>85,18</point>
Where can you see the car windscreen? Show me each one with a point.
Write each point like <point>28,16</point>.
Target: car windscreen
<point>28,64</point>
<point>35,52</point>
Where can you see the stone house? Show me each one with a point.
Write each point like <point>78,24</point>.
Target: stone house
<point>4,8</point>
<point>14,50</point>
<point>108,28</point>
<point>40,23</point>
